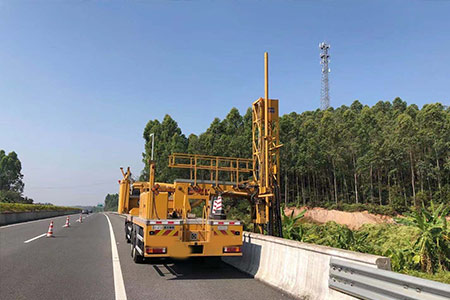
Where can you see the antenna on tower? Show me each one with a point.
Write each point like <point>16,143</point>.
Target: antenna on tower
<point>325,89</point>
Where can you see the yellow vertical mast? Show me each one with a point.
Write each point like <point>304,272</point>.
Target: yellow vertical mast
<point>266,119</point>
<point>124,192</point>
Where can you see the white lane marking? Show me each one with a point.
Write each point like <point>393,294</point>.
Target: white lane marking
<point>35,238</point>
<point>119,286</point>
<point>28,222</point>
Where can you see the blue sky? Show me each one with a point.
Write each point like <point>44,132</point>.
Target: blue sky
<point>80,79</point>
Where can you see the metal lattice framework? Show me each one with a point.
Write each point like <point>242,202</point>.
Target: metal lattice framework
<point>325,88</point>
<point>216,165</point>
<point>266,159</point>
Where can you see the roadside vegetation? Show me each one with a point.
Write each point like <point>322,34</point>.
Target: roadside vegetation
<point>11,188</point>
<point>391,155</point>
<point>21,207</point>
<point>111,202</point>
<point>11,183</point>
<point>418,245</point>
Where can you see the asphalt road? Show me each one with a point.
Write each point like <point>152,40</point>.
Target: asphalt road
<point>77,264</point>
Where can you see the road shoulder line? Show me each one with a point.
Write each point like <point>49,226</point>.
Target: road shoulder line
<point>35,238</point>
<point>119,286</point>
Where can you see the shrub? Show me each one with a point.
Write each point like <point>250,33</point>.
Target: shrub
<point>19,207</point>
<point>397,242</point>
<point>290,224</point>
<point>432,246</point>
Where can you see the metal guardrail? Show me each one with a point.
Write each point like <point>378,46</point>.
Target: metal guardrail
<point>375,284</point>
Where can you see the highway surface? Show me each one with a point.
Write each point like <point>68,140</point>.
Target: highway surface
<point>77,263</point>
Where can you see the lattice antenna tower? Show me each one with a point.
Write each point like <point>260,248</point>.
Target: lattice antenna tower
<point>325,88</point>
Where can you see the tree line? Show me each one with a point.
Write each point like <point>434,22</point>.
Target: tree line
<point>111,202</point>
<point>389,154</point>
<point>11,183</point>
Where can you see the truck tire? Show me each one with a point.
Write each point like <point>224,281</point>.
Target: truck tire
<point>137,258</point>
<point>132,240</point>
<point>127,233</point>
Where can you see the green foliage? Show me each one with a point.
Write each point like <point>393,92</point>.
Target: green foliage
<point>229,137</point>
<point>19,207</point>
<point>392,241</point>
<point>389,155</point>
<point>111,202</point>
<point>11,184</point>
<point>98,208</point>
<point>432,246</point>
<point>398,242</point>
<point>168,140</point>
<point>13,197</point>
<point>333,235</point>
<point>290,224</point>
<point>441,276</point>
<point>238,209</point>
<point>10,176</point>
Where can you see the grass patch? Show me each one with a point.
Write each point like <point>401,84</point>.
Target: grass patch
<point>20,207</point>
<point>441,276</point>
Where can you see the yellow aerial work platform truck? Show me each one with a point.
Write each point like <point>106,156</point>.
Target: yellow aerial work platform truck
<point>160,221</point>
<point>186,218</point>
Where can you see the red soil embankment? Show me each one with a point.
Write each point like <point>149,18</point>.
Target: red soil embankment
<point>353,220</point>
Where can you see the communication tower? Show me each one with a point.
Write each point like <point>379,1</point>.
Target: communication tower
<point>325,89</point>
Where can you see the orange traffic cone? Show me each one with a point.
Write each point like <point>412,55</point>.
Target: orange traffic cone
<point>80,219</point>
<point>67,222</point>
<point>50,230</point>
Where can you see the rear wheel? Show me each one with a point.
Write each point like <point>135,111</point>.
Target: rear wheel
<point>137,257</point>
<point>127,233</point>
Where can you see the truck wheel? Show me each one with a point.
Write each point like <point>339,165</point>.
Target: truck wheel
<point>132,241</point>
<point>127,233</point>
<point>137,258</point>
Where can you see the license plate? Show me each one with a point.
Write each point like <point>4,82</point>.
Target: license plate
<point>222,227</point>
<point>157,227</point>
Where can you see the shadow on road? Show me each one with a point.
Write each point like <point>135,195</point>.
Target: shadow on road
<point>194,268</point>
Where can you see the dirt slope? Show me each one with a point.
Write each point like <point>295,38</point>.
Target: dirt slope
<point>354,220</point>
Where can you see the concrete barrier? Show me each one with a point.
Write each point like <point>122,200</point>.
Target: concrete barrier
<point>300,269</point>
<point>11,218</point>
